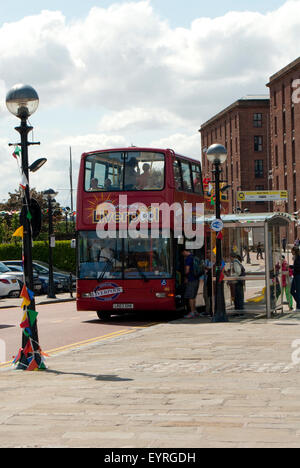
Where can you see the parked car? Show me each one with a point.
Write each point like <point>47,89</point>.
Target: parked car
<point>42,268</point>
<point>58,285</point>
<point>9,286</point>
<point>6,269</point>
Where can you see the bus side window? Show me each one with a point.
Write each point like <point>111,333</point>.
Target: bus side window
<point>177,175</point>
<point>186,176</point>
<point>197,178</point>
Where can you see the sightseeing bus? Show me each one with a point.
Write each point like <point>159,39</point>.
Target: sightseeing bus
<point>121,272</point>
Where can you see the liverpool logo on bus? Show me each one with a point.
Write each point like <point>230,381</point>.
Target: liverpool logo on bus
<point>107,292</point>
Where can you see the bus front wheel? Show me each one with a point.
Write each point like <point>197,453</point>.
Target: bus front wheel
<point>103,315</point>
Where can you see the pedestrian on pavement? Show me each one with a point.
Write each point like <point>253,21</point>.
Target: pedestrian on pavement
<point>238,270</point>
<point>191,283</point>
<point>295,288</point>
<point>207,289</point>
<point>71,285</point>
<point>259,251</point>
<point>284,244</point>
<point>286,284</point>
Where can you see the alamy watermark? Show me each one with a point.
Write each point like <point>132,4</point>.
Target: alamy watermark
<point>296,92</point>
<point>157,220</point>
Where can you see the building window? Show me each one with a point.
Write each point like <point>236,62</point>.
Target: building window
<point>276,155</point>
<point>257,120</point>
<point>259,168</point>
<point>275,125</point>
<point>258,143</point>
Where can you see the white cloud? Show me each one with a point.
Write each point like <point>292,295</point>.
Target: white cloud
<point>144,81</point>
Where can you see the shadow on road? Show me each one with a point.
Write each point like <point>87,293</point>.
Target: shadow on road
<point>100,377</point>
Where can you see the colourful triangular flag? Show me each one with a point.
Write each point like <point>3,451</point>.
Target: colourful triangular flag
<point>19,232</point>
<point>30,294</point>
<point>28,348</point>
<point>32,314</point>
<point>24,181</point>
<point>18,356</point>
<point>33,365</point>
<point>215,250</point>
<point>25,295</point>
<point>17,152</point>
<point>27,332</point>
<point>25,324</point>
<point>220,235</point>
<point>42,366</point>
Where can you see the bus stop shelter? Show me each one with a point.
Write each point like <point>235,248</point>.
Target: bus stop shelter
<point>241,235</point>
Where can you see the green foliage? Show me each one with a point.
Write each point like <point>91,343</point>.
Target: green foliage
<point>64,256</point>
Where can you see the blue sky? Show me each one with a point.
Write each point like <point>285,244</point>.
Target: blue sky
<point>145,72</point>
<point>177,12</point>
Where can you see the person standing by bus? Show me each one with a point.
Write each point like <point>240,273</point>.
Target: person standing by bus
<point>295,288</point>
<point>191,283</point>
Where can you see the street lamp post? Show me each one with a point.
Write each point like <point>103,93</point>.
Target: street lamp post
<point>50,194</point>
<point>217,154</point>
<point>22,101</point>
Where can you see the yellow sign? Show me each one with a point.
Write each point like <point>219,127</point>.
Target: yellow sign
<point>261,195</point>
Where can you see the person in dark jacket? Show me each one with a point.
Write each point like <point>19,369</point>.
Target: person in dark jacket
<point>295,288</point>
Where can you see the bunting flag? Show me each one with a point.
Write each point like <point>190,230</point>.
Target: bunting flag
<point>28,348</point>
<point>18,356</point>
<point>24,181</point>
<point>27,332</point>
<point>26,299</point>
<point>19,232</point>
<point>215,251</point>
<point>32,314</point>
<point>17,152</point>
<point>220,235</point>
<point>30,294</point>
<point>25,324</point>
<point>33,365</point>
<point>222,275</point>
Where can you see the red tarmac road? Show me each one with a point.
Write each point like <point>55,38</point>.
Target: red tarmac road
<point>61,327</point>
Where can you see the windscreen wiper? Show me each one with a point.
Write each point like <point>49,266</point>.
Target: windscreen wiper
<point>108,262</point>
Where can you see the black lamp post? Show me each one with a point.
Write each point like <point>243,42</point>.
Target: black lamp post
<point>50,195</point>
<point>22,101</point>
<point>217,155</point>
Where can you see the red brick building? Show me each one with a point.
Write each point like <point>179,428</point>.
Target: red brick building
<point>285,137</point>
<point>243,128</point>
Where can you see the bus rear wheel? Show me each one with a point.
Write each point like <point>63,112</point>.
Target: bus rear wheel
<point>103,315</point>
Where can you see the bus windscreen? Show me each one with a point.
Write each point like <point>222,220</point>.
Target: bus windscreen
<point>124,258</point>
<point>124,171</point>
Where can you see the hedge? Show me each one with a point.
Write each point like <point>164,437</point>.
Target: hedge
<point>64,257</point>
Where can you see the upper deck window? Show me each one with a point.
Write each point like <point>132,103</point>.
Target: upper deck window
<point>124,171</point>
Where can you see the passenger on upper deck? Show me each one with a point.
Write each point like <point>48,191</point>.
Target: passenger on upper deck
<point>144,179</point>
<point>107,184</point>
<point>94,185</point>
<point>131,174</point>
<point>198,183</point>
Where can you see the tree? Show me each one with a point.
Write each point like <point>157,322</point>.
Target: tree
<point>10,212</point>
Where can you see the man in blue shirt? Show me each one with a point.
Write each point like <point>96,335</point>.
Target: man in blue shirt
<point>191,283</point>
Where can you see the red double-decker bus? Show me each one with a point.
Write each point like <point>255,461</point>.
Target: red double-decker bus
<point>120,273</point>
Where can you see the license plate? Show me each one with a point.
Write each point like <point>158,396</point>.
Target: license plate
<point>123,306</point>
